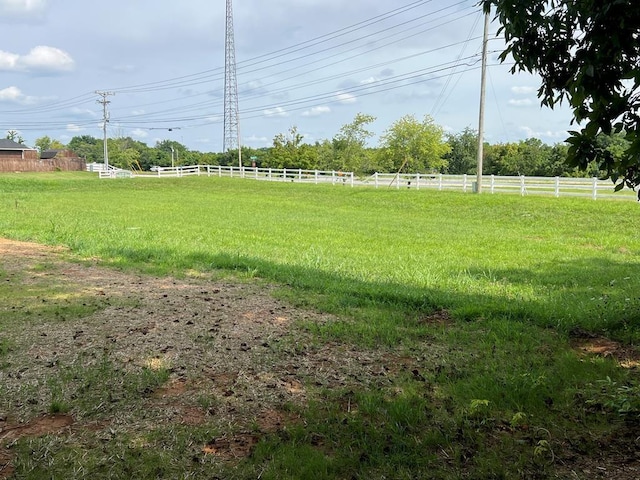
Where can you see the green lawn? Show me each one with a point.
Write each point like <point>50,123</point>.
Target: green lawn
<point>515,277</point>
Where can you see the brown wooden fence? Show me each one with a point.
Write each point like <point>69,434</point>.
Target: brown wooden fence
<point>35,165</point>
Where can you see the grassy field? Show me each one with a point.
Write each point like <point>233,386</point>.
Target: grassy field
<point>491,297</point>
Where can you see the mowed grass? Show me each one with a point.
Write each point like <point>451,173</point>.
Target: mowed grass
<point>562,263</point>
<point>497,284</point>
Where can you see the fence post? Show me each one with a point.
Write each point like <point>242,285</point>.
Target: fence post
<point>269,174</point>
<point>375,179</point>
<point>333,177</point>
<point>315,175</point>
<point>493,183</point>
<point>255,172</point>
<point>398,181</point>
<point>595,188</point>
<point>523,189</point>
<point>464,183</point>
<point>440,182</point>
<point>300,174</point>
<point>352,180</point>
<point>557,189</point>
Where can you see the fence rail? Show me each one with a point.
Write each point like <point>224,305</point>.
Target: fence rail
<point>556,186</point>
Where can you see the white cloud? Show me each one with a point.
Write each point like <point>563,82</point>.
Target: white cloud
<point>8,61</point>
<point>47,58</point>
<point>275,112</point>
<point>316,111</point>
<point>256,139</point>
<point>523,90</point>
<point>23,9</point>
<point>39,59</point>
<point>74,128</point>
<point>542,134</point>
<point>139,133</point>
<point>15,95</point>
<point>369,81</point>
<point>253,88</point>
<point>525,102</point>
<point>344,97</point>
<point>85,113</point>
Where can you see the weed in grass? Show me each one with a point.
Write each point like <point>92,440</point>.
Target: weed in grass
<point>5,346</point>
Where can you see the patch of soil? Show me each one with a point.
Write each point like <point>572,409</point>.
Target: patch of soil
<point>589,344</point>
<point>439,317</point>
<point>233,352</point>
<point>38,427</point>
<point>231,448</point>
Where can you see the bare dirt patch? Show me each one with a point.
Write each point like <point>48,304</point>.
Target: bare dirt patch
<point>234,353</point>
<point>589,344</point>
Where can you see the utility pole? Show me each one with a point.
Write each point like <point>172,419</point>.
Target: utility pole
<point>483,80</point>
<point>105,119</point>
<point>231,120</point>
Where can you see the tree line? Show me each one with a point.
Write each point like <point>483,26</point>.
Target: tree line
<point>409,145</point>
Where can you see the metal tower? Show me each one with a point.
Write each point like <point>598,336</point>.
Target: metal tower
<point>231,120</point>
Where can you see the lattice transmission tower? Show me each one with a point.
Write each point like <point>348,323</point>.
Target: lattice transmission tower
<point>231,118</point>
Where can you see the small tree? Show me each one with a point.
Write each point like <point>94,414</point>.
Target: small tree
<point>415,146</point>
<point>15,136</point>
<point>350,142</point>
<point>288,151</point>
<point>464,150</point>
<point>46,143</point>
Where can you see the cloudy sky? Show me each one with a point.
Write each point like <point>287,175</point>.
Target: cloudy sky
<point>313,64</point>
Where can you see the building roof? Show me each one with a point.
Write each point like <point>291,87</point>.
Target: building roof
<point>6,144</point>
<point>47,154</point>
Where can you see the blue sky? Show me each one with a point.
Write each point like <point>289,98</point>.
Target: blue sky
<point>313,64</point>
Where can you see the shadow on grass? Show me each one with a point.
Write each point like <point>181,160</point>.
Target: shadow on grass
<point>599,295</point>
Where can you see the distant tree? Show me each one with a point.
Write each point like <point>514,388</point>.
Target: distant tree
<point>414,146</point>
<point>326,156</point>
<point>170,149</point>
<point>587,52</point>
<point>464,150</point>
<point>288,151</point>
<point>557,162</point>
<point>87,147</point>
<point>350,142</point>
<point>46,143</point>
<point>15,136</point>
<point>527,157</point>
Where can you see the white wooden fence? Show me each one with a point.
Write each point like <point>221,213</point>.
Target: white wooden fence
<point>556,186</point>
<point>270,174</point>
